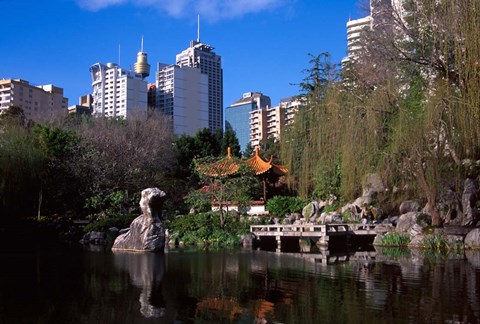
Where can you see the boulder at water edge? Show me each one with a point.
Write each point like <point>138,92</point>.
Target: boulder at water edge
<point>146,232</point>
<point>472,240</point>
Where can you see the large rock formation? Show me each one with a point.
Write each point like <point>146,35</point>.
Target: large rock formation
<point>469,199</point>
<point>472,240</point>
<point>146,232</point>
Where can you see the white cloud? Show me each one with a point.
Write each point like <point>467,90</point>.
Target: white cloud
<point>95,5</point>
<point>209,9</point>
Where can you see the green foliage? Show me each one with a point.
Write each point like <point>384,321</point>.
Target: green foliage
<point>103,224</point>
<point>198,200</point>
<point>22,163</point>
<point>115,203</point>
<point>424,219</point>
<point>206,144</point>
<point>229,140</point>
<point>435,242</point>
<point>224,185</point>
<point>13,116</point>
<point>327,181</point>
<point>205,229</point>
<point>283,205</point>
<point>395,253</point>
<point>395,239</point>
<point>114,209</point>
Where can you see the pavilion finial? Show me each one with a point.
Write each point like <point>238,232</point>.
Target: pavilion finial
<point>229,152</point>
<point>256,151</point>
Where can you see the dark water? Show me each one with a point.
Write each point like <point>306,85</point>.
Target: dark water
<point>242,286</point>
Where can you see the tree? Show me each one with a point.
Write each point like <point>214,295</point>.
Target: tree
<point>226,180</point>
<point>21,164</point>
<point>12,116</point>
<point>206,144</point>
<point>230,140</point>
<point>58,182</point>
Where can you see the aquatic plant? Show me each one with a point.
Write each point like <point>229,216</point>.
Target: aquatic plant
<point>395,239</point>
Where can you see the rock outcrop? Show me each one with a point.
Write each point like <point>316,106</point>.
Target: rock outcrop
<point>146,232</point>
<point>472,240</point>
<point>469,199</point>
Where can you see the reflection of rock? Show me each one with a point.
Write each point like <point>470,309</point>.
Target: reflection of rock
<point>146,232</point>
<point>146,271</point>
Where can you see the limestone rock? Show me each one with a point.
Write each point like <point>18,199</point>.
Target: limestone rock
<point>472,240</point>
<point>406,222</point>
<point>469,198</point>
<point>372,183</point>
<point>247,239</point>
<point>383,228</point>
<point>450,207</point>
<point>409,206</point>
<point>310,210</point>
<point>146,232</point>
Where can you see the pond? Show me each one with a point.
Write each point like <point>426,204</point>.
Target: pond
<point>71,285</point>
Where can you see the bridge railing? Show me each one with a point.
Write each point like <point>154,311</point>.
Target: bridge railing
<point>327,228</point>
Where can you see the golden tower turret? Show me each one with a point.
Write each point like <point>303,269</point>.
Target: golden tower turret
<point>141,66</point>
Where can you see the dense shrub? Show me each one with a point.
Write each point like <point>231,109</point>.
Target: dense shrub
<point>282,205</point>
<point>102,225</point>
<point>205,229</point>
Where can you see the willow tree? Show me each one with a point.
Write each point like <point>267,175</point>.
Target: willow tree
<point>407,108</point>
<point>436,122</point>
<point>308,146</point>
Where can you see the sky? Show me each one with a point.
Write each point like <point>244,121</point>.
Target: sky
<point>264,44</point>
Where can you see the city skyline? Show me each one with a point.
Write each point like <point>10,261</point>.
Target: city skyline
<point>264,44</point>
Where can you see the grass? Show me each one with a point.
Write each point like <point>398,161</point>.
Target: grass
<point>395,239</point>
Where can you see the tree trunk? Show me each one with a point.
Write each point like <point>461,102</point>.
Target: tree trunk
<point>430,192</point>
<point>40,198</point>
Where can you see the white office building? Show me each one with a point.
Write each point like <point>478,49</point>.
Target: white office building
<point>182,94</point>
<point>118,93</point>
<point>201,56</point>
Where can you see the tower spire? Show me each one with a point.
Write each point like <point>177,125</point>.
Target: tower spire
<point>198,28</point>
<point>141,50</point>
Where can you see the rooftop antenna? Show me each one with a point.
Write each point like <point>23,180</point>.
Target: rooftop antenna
<point>119,55</point>
<point>198,28</point>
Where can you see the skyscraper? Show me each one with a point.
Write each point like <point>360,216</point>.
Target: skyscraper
<point>238,116</point>
<point>201,56</point>
<point>118,93</point>
<point>182,95</point>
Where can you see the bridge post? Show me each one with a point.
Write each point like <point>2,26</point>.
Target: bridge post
<point>322,241</point>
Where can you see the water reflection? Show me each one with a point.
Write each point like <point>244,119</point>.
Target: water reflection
<point>146,271</point>
<point>239,286</point>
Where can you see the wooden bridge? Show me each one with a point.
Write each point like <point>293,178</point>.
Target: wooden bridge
<point>319,234</point>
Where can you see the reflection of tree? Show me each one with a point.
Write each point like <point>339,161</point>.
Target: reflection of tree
<point>146,272</point>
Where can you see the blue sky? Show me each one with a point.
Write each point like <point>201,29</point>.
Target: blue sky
<point>263,43</point>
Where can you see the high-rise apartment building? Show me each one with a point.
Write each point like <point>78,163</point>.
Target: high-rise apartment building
<point>118,93</point>
<point>271,122</point>
<point>38,102</point>
<point>182,94</point>
<point>290,106</point>
<point>201,56</point>
<point>354,32</point>
<point>237,115</point>
<point>381,18</point>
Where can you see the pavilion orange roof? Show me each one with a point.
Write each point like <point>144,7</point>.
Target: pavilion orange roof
<point>260,166</point>
<point>227,166</point>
